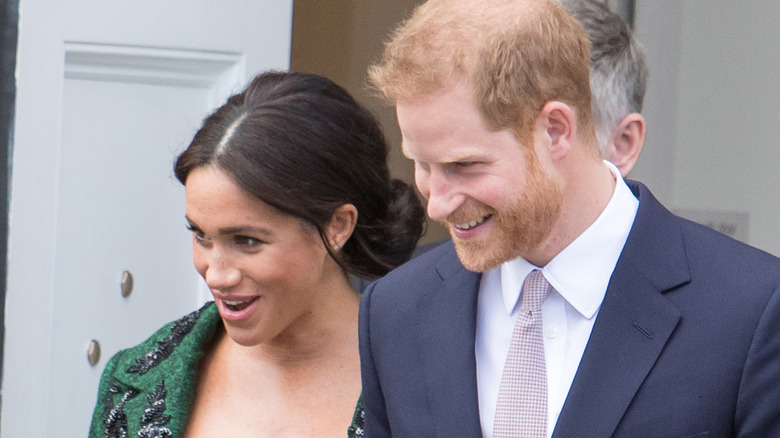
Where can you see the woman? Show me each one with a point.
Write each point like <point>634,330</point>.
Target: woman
<point>287,193</point>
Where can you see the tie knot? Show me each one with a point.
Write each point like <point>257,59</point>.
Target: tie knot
<point>535,291</point>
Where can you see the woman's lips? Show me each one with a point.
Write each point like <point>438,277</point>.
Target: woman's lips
<point>237,309</point>
<point>237,306</point>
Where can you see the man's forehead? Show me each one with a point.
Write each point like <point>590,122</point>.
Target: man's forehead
<point>455,149</point>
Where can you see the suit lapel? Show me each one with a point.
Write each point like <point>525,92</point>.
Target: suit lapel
<point>447,332</point>
<point>633,325</point>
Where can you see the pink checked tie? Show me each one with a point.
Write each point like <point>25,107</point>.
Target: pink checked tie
<point>522,396</point>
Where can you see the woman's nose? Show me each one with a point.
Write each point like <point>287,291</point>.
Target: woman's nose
<point>220,273</point>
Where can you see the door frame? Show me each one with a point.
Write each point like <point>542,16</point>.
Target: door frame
<point>9,22</point>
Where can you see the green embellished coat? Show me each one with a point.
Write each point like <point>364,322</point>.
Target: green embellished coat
<point>146,391</point>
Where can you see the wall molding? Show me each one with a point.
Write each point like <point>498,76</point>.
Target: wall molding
<point>154,66</point>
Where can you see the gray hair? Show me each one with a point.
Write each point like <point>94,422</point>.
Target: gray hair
<point>618,71</point>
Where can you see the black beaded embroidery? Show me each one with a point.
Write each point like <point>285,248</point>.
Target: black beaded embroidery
<point>154,418</point>
<point>166,345</point>
<point>356,430</point>
<point>116,421</point>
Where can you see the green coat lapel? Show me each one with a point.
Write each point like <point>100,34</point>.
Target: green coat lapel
<point>147,390</point>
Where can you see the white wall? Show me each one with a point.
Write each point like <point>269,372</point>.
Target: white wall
<point>107,94</point>
<point>712,108</point>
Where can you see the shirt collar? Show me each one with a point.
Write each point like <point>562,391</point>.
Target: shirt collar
<point>581,272</point>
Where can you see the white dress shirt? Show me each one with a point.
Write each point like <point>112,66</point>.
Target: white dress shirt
<point>579,276</point>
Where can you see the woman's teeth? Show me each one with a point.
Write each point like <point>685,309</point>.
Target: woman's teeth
<point>238,305</point>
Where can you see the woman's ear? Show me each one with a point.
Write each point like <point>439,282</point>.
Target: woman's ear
<point>341,225</point>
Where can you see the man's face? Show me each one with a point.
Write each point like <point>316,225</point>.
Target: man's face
<point>490,191</point>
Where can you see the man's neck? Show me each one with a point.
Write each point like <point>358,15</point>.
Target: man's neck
<point>588,189</point>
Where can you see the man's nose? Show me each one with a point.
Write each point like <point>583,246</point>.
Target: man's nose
<point>443,195</point>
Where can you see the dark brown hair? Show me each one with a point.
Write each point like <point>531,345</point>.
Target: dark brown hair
<point>301,144</point>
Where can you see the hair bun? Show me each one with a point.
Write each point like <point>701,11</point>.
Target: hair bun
<point>392,239</point>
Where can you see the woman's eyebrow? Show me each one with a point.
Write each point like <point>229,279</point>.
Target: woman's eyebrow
<point>234,230</point>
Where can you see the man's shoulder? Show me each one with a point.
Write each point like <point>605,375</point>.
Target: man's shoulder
<point>706,247</point>
<point>435,260</point>
<point>654,222</point>
<point>664,245</point>
<point>424,263</point>
<point>426,247</point>
<point>423,273</point>
<point>431,284</point>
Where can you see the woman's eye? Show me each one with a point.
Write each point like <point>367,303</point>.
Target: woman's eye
<point>199,235</point>
<point>247,241</point>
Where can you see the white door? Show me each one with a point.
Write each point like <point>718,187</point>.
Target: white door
<point>108,92</point>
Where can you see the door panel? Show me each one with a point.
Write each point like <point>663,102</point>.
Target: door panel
<point>107,96</point>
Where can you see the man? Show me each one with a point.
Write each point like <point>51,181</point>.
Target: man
<point>618,79</point>
<point>645,324</point>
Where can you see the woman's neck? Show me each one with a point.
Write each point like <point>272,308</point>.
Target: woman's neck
<point>324,334</point>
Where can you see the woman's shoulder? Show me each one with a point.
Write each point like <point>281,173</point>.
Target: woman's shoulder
<point>196,328</point>
<point>151,386</point>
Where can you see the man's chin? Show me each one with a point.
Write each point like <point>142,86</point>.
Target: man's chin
<point>477,256</point>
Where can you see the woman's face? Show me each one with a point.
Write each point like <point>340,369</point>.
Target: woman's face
<point>263,267</point>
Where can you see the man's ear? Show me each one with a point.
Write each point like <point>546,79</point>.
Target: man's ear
<point>341,225</point>
<point>626,142</point>
<point>558,123</point>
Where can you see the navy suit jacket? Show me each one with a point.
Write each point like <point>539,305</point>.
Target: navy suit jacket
<point>685,344</point>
